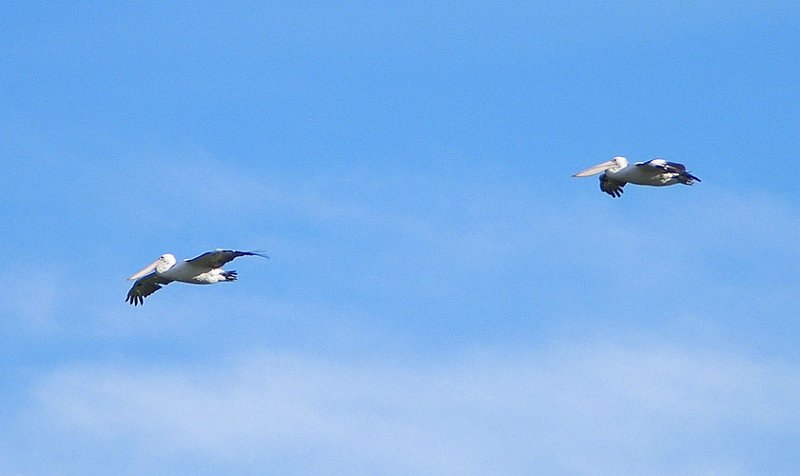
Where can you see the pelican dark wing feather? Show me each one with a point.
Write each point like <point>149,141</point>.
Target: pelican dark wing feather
<point>144,287</point>
<point>218,258</point>
<point>680,169</point>
<point>611,186</point>
<point>674,167</point>
<point>671,168</point>
<point>664,165</point>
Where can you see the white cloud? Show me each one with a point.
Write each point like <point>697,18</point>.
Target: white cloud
<point>577,409</point>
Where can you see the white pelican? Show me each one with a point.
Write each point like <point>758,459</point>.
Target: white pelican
<point>656,172</point>
<point>204,269</point>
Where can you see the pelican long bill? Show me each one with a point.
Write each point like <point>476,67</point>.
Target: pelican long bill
<point>595,169</point>
<point>145,271</point>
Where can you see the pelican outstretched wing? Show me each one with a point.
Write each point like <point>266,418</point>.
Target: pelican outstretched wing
<point>611,186</point>
<point>680,169</point>
<point>217,258</point>
<point>144,287</point>
<point>671,168</point>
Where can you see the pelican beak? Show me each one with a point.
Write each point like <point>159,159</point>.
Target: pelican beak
<point>595,169</point>
<point>147,270</point>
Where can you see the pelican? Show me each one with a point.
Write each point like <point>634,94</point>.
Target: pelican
<point>655,172</point>
<point>204,269</point>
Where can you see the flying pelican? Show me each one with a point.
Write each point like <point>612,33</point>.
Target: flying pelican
<point>204,269</point>
<point>656,172</point>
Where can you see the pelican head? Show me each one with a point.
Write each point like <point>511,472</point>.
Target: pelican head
<point>162,264</point>
<point>613,165</point>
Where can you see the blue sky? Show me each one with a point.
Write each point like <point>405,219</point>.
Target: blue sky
<point>442,297</point>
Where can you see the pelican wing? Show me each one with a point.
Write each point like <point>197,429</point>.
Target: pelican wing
<point>611,186</point>
<point>661,164</point>
<point>680,169</point>
<point>672,168</point>
<point>218,258</point>
<point>144,287</point>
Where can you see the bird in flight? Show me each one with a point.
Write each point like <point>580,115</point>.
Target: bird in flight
<point>204,269</point>
<point>657,172</point>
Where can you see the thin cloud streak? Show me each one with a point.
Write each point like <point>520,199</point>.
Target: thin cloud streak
<point>369,238</point>
<point>585,408</point>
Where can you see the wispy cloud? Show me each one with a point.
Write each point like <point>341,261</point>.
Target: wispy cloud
<point>587,408</point>
<point>362,237</point>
